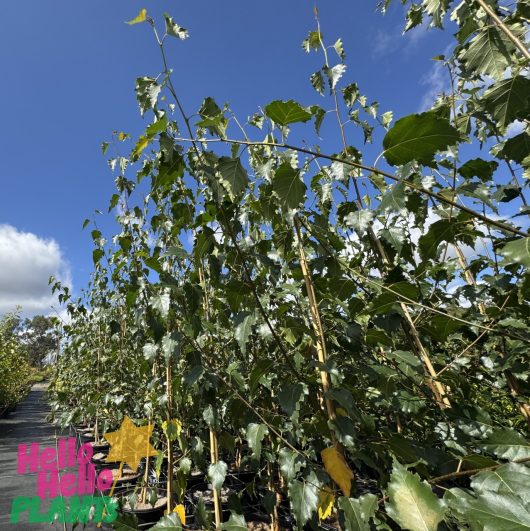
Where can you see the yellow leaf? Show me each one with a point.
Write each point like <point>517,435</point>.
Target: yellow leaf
<point>142,143</point>
<point>337,468</point>
<point>140,18</point>
<point>172,429</point>
<point>326,499</point>
<point>179,509</point>
<point>122,136</point>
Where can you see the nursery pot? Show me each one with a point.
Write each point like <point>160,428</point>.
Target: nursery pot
<point>145,513</point>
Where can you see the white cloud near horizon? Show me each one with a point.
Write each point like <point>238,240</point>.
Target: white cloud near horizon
<point>26,263</point>
<point>436,80</point>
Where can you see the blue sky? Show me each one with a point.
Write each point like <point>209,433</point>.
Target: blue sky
<point>69,71</point>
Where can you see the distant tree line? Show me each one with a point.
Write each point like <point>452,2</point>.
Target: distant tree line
<point>25,345</point>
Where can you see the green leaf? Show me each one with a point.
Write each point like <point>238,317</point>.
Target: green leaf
<point>350,94</point>
<point>234,174</point>
<point>479,191</point>
<point>414,17</point>
<point>203,517</point>
<point>319,113</point>
<point>339,48</point>
<point>508,100</point>
<point>317,81</point>
<point>217,474</point>
<point>141,17</point>
<point>150,350</point>
<point>288,186</point>
<point>261,368</point>
<point>418,137</point>
<point>436,9</point>
<point>287,112</point>
<point>440,327</point>
<point>213,118</point>
<point>304,501</point>
<point>171,345</point>
<point>243,328</point>
<point>156,127</point>
<point>386,118</point>
<point>125,522</point>
<point>312,42</point>
<point>161,302</point>
<point>358,512</point>
<point>236,522</point>
<point>478,168</point>
<point>173,29</point>
<point>334,74</point>
<point>290,397</point>
<point>97,255</point>
<point>359,220</point>
<point>512,478</point>
<point>413,505</point>
<point>394,236</point>
<point>204,242</point>
<point>489,511</point>
<point>147,91</point>
<point>395,199</point>
<point>517,251</point>
<point>440,231</point>
<point>517,148</point>
<point>168,523</point>
<point>488,53</point>
<point>290,463</point>
<point>506,444</point>
<point>344,430</point>
<point>255,434</point>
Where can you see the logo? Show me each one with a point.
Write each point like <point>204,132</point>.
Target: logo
<point>69,480</point>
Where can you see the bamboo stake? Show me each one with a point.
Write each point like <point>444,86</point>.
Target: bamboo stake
<point>437,388</point>
<point>169,446</point>
<point>214,457</point>
<point>146,472</point>
<point>275,525</point>
<point>315,322</point>
<point>524,407</point>
<point>214,453</point>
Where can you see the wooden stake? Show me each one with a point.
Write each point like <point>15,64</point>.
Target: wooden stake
<point>169,444</point>
<point>214,457</point>
<point>214,452</point>
<point>315,322</point>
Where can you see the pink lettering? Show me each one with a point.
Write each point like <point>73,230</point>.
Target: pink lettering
<point>105,480</point>
<point>67,484</point>
<point>47,459</point>
<point>48,485</point>
<point>25,459</point>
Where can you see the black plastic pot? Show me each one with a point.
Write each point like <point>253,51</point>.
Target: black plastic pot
<point>148,516</point>
<point>195,478</point>
<point>193,498</point>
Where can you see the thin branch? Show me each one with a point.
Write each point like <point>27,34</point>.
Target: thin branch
<point>522,48</point>
<point>489,221</point>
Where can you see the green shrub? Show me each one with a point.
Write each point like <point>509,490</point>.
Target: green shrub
<point>14,367</point>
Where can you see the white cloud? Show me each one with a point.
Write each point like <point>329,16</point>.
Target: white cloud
<point>390,41</point>
<point>384,41</point>
<point>515,128</point>
<point>26,263</point>
<point>437,81</point>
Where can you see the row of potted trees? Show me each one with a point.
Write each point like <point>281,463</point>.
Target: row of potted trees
<point>304,358</point>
